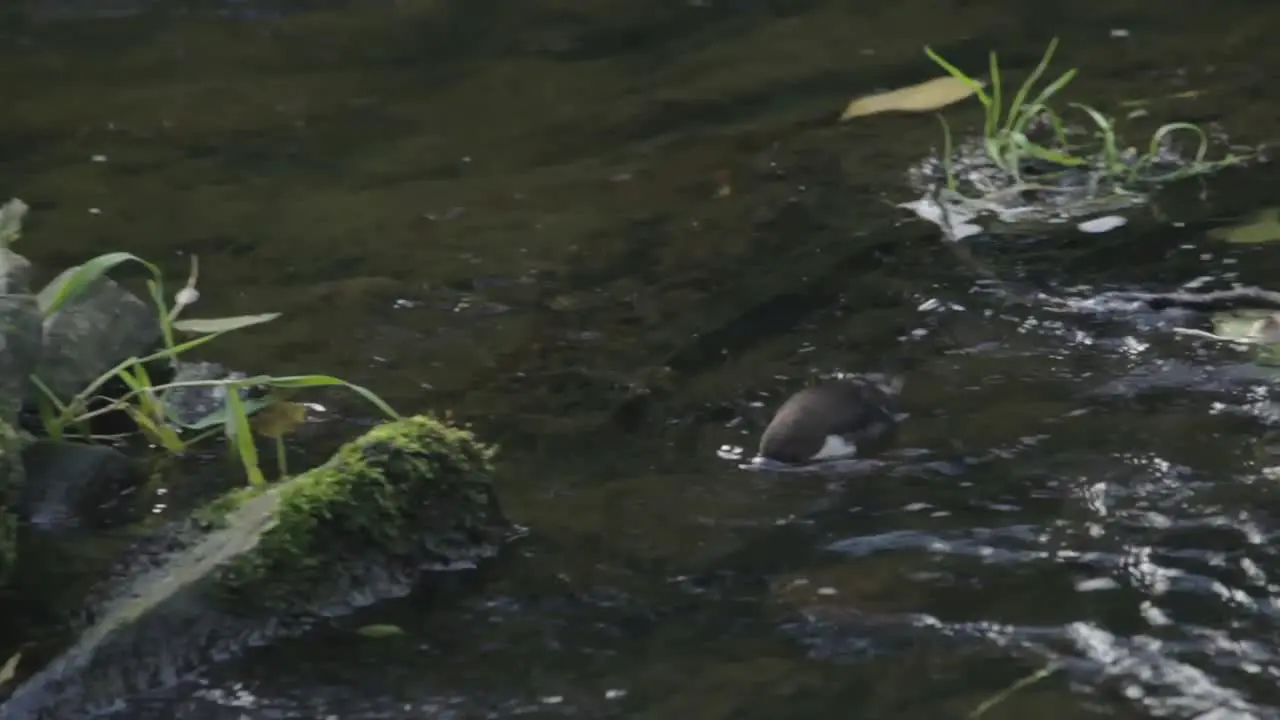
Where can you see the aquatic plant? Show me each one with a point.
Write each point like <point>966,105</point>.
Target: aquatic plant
<point>1108,164</point>
<point>269,412</point>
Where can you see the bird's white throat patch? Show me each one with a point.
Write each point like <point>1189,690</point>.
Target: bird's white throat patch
<point>835,447</point>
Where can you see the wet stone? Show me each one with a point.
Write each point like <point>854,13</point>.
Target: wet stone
<point>20,332</point>
<point>15,273</point>
<point>192,405</point>
<point>69,484</point>
<point>20,350</point>
<point>90,334</point>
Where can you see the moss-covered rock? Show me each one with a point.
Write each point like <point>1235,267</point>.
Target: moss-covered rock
<point>257,564</point>
<point>410,494</point>
<point>11,480</point>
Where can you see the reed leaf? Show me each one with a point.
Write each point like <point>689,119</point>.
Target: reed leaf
<point>60,292</point>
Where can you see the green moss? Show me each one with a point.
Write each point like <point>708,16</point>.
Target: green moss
<point>401,494</point>
<point>214,514</point>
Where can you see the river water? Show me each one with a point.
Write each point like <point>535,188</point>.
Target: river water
<point>612,236</point>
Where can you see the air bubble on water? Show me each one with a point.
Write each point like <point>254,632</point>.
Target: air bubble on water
<point>731,452</point>
<point>1154,615</point>
<point>1096,584</point>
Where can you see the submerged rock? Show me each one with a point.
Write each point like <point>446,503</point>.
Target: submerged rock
<point>410,496</point>
<point>91,333</point>
<point>67,483</point>
<point>198,405</point>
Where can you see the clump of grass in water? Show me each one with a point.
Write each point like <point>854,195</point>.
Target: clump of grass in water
<point>272,416</point>
<point>1104,166</point>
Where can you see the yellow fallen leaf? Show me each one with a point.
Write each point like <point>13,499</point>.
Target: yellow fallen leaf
<point>378,631</point>
<point>928,95</point>
<point>10,669</point>
<point>1263,227</point>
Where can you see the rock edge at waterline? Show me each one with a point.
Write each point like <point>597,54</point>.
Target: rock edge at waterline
<point>410,496</point>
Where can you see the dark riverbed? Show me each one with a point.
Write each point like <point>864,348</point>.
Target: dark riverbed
<point>612,236</point>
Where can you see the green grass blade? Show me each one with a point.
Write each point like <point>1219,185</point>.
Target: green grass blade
<point>959,75</point>
<point>1054,87</point>
<point>946,153</point>
<point>1165,131</point>
<point>136,383</point>
<point>49,419</point>
<point>241,437</point>
<point>303,381</point>
<point>1015,109</point>
<point>221,325</point>
<point>1057,157</point>
<point>995,108</point>
<point>157,297</point>
<point>282,458</point>
<point>998,152</point>
<point>150,412</point>
<point>219,417</point>
<point>54,296</point>
<point>182,347</point>
<point>1005,694</point>
<point>158,355</point>
<point>50,408</point>
<point>201,437</point>
<point>1110,149</point>
<point>1012,158</point>
<point>155,430</point>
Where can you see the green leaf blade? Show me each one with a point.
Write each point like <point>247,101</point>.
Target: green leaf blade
<point>224,324</point>
<point>59,293</point>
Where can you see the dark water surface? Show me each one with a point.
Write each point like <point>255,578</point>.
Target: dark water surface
<point>514,211</point>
